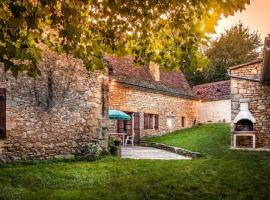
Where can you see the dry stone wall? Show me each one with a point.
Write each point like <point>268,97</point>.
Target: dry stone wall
<point>259,96</point>
<point>52,115</point>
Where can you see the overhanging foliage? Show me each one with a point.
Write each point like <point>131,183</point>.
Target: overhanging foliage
<point>166,32</point>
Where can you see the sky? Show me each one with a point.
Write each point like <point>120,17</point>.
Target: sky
<point>256,17</point>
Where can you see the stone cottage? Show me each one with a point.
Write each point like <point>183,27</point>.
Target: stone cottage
<point>250,92</point>
<point>214,102</point>
<point>53,115</point>
<point>159,101</point>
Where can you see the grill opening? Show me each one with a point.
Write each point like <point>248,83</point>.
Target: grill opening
<point>244,125</point>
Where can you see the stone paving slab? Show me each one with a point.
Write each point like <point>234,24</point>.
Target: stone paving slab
<point>137,152</point>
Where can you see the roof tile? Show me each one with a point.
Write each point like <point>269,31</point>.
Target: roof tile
<point>213,91</point>
<point>170,81</point>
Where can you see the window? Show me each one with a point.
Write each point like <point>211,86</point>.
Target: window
<point>183,121</point>
<point>149,121</point>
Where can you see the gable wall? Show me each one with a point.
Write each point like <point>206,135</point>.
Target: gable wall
<point>52,119</point>
<point>259,96</point>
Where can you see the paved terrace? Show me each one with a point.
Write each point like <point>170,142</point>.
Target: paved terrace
<point>137,152</point>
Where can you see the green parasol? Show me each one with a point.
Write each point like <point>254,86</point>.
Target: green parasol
<point>117,114</point>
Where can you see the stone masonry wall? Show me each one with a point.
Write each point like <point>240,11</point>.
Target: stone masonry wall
<point>214,111</point>
<point>259,96</point>
<point>52,115</point>
<point>135,99</point>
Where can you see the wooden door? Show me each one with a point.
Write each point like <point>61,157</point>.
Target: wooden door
<point>156,122</point>
<point>136,128</point>
<point>128,125</point>
<point>2,113</point>
<point>120,126</point>
<point>124,126</point>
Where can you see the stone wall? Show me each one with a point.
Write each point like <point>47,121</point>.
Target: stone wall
<point>137,99</point>
<point>52,115</point>
<point>259,96</point>
<point>214,111</point>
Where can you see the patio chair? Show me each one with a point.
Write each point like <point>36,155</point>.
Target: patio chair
<point>129,138</point>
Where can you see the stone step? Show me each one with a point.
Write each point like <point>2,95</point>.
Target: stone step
<point>1,145</point>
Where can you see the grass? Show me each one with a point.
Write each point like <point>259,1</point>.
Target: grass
<point>212,140</point>
<point>220,174</point>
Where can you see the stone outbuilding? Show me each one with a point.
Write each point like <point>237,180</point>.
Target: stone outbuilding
<point>250,92</point>
<point>214,102</point>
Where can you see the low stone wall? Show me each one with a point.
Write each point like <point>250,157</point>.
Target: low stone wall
<point>53,115</point>
<point>172,149</point>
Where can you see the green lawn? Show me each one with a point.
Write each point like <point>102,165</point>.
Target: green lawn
<point>219,174</point>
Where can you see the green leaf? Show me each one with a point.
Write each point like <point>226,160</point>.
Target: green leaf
<point>97,63</point>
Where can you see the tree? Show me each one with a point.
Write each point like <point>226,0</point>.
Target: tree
<point>195,71</point>
<point>236,46</point>
<point>167,32</point>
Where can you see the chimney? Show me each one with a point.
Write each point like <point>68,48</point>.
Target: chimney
<point>154,71</point>
<point>244,112</point>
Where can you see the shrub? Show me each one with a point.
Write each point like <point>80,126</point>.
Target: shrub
<point>90,152</point>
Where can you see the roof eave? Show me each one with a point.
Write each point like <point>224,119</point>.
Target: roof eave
<point>164,91</point>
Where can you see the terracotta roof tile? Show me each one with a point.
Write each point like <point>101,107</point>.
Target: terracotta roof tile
<point>259,60</point>
<point>124,66</point>
<point>123,69</point>
<point>213,91</point>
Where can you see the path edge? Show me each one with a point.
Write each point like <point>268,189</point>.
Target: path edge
<point>177,150</point>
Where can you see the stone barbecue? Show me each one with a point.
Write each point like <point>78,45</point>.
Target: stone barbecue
<point>244,124</point>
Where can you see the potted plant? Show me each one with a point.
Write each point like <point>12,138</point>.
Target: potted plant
<point>115,146</point>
